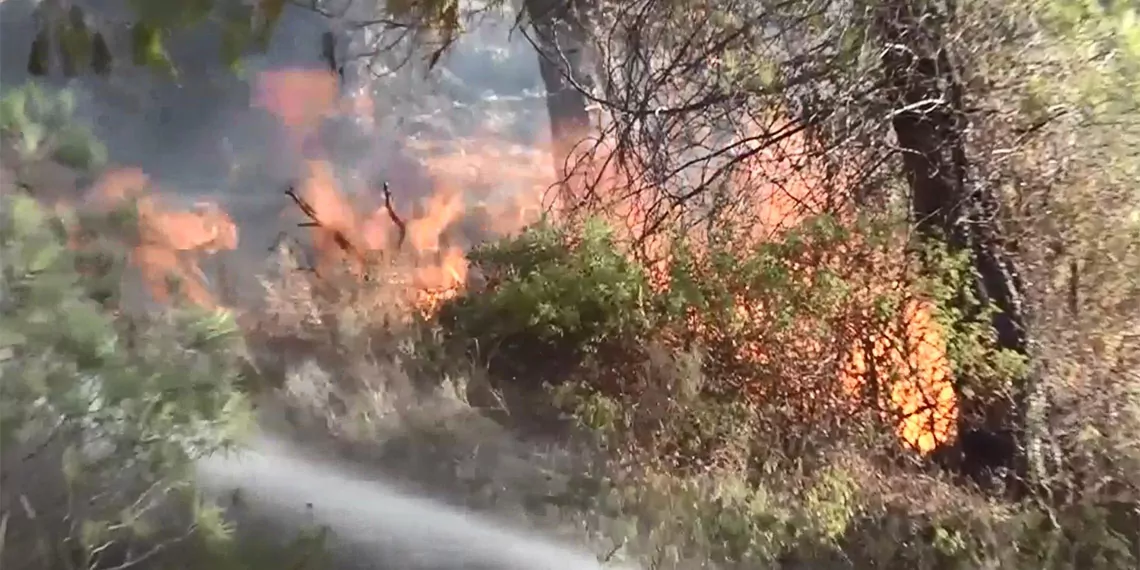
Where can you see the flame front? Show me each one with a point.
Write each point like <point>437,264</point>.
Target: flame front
<point>920,394</point>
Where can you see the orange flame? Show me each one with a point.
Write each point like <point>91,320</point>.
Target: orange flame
<point>171,243</point>
<point>912,353</point>
<point>911,360</point>
<point>300,98</point>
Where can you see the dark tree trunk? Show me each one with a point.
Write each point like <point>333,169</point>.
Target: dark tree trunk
<point>949,204</point>
<point>560,34</point>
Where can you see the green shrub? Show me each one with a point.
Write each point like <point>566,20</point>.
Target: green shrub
<point>552,300</point>
<point>101,413</point>
<point>39,124</point>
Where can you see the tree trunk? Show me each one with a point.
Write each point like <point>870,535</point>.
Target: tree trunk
<point>949,204</point>
<point>561,35</point>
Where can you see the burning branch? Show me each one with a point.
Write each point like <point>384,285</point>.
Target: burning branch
<point>395,217</point>
<point>339,237</point>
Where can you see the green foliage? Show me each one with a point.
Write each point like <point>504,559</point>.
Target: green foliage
<point>947,282</point>
<point>76,42</point>
<point>244,27</point>
<point>308,550</point>
<point>1065,156</point>
<point>553,296</point>
<point>79,44</point>
<point>81,39</point>
<point>777,274</point>
<point>40,124</point>
<point>148,47</point>
<point>551,289</point>
<point>841,516</point>
<point>1108,35</point>
<point>438,22</point>
<point>130,399</point>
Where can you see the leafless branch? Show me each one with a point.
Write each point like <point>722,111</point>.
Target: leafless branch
<point>339,238</point>
<point>400,225</point>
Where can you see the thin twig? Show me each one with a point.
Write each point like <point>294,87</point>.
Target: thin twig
<point>395,217</point>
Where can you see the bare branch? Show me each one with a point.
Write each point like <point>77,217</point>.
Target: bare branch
<point>400,225</point>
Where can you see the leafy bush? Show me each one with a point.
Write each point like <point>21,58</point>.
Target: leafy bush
<point>761,332</point>
<point>552,300</point>
<point>101,412</point>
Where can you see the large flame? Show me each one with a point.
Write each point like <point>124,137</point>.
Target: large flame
<point>907,357</point>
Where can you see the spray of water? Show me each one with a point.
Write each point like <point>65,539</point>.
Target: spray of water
<point>372,525</point>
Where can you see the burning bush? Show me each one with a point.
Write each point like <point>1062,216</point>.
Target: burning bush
<point>748,398</point>
<point>772,340</point>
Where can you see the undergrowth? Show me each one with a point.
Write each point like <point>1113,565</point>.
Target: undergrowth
<point>726,424</point>
<point>713,413</point>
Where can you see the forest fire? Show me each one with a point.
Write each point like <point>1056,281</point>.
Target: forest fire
<point>429,237</point>
<point>908,355</point>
